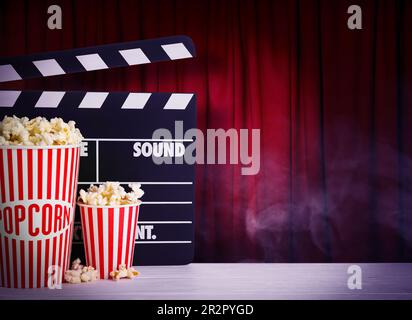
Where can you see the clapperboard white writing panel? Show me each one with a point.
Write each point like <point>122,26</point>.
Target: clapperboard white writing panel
<point>112,123</point>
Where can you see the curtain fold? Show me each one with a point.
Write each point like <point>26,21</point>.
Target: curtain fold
<point>333,105</point>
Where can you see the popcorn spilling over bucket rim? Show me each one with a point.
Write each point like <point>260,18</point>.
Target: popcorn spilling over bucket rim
<point>38,131</point>
<point>111,194</point>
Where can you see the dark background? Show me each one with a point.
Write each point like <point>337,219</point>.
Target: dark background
<point>334,107</point>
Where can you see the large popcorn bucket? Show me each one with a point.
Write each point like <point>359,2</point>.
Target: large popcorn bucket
<point>109,234</point>
<point>37,196</point>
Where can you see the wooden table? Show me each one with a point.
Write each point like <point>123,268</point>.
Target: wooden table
<point>239,281</point>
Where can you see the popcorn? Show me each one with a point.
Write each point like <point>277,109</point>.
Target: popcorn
<point>111,194</point>
<point>76,264</point>
<point>80,273</point>
<point>38,132</point>
<point>123,272</point>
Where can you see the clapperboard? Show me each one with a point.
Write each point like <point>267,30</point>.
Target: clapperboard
<point>115,124</point>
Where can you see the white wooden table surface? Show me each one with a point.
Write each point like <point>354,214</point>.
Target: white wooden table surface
<point>239,281</point>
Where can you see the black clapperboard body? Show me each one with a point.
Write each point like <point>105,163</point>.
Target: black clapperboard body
<point>112,122</point>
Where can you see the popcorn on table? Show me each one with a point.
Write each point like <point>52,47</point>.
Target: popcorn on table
<point>111,194</point>
<point>38,132</point>
<point>123,272</point>
<point>79,273</point>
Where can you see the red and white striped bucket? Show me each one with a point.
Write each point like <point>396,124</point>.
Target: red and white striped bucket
<point>109,234</point>
<point>37,193</point>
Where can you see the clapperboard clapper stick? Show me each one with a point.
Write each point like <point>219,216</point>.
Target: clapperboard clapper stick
<point>116,125</point>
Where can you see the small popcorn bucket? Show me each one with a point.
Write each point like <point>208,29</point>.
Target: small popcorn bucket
<point>37,193</point>
<point>109,234</point>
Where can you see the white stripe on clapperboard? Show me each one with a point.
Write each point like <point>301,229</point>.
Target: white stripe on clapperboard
<point>8,73</point>
<point>49,67</point>
<point>8,97</point>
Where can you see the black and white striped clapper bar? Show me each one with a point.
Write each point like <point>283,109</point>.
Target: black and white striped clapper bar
<point>119,127</point>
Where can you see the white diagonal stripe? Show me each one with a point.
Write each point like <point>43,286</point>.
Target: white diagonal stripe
<point>93,100</point>
<point>92,62</point>
<point>8,98</point>
<point>134,56</point>
<point>136,100</point>
<point>8,73</point>
<point>178,101</point>
<point>49,67</point>
<point>176,51</point>
<point>50,99</point>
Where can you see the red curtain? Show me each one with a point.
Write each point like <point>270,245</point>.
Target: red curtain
<point>333,106</point>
